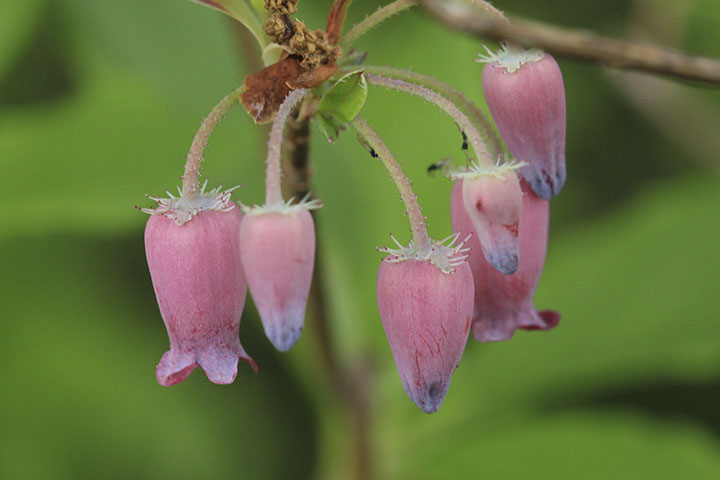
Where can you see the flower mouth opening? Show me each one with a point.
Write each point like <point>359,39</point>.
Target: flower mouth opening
<point>182,209</point>
<point>510,58</point>
<point>285,208</point>
<point>498,170</point>
<point>444,254</point>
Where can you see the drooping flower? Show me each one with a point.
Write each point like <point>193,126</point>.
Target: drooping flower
<point>493,200</point>
<point>193,253</point>
<point>504,303</point>
<point>425,301</point>
<point>278,257</point>
<point>526,96</point>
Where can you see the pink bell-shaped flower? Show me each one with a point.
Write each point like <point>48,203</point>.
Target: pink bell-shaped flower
<point>493,200</point>
<point>193,253</point>
<point>278,257</point>
<point>425,299</point>
<point>505,302</point>
<point>526,96</point>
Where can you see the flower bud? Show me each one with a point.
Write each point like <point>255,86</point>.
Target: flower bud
<point>526,96</point>
<point>493,201</point>
<point>193,254</point>
<point>504,302</point>
<point>425,303</point>
<point>278,256</point>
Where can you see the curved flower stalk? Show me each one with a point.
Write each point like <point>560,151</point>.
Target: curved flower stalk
<point>425,296</point>
<point>467,107</point>
<point>482,156</point>
<point>493,197</point>
<point>504,303</point>
<point>278,251</point>
<point>525,92</point>
<point>193,253</point>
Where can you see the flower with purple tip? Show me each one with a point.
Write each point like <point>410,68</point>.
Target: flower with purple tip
<point>425,299</point>
<point>493,200</point>
<point>525,93</point>
<point>193,253</point>
<point>278,257</point>
<point>504,303</point>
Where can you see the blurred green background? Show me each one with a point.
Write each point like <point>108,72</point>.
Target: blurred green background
<point>98,105</point>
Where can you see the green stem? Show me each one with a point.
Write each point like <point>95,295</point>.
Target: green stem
<point>191,177</point>
<point>465,105</point>
<point>373,20</point>
<point>409,198</point>
<point>481,154</point>
<point>273,192</point>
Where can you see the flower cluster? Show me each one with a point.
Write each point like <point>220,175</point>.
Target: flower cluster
<point>427,310</point>
<point>204,251</point>
<point>203,254</point>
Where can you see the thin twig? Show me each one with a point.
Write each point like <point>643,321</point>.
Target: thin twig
<point>575,44</point>
<point>402,182</point>
<point>273,192</point>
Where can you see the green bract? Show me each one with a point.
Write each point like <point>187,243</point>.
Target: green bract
<point>342,102</point>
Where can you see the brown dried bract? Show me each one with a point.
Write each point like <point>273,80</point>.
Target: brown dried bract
<point>266,89</point>
<point>315,77</point>
<point>336,20</point>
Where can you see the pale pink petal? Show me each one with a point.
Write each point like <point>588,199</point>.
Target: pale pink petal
<point>528,106</point>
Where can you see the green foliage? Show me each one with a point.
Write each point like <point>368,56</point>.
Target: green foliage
<point>342,103</point>
<point>18,18</point>
<point>625,387</point>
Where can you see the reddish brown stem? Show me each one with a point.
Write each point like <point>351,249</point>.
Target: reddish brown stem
<point>575,44</point>
<point>336,20</point>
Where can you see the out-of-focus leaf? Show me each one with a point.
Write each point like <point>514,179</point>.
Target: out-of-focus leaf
<point>241,11</point>
<point>636,291</point>
<point>80,337</point>
<point>85,173</point>
<point>18,19</point>
<point>188,60</point>
<point>587,445</point>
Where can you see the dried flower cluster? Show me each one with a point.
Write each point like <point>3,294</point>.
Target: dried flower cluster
<point>312,47</point>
